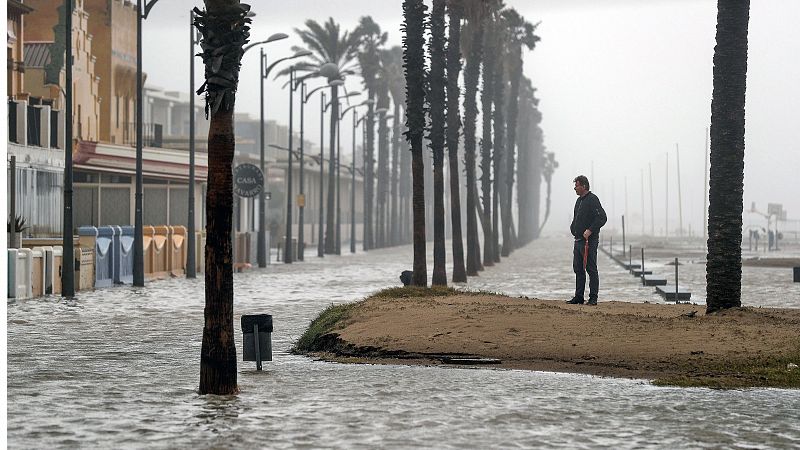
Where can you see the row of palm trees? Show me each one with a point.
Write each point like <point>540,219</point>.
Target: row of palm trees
<point>493,38</point>
<point>388,168</point>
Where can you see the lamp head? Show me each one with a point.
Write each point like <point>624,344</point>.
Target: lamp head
<point>301,53</point>
<point>336,82</point>
<point>329,70</point>
<point>276,37</point>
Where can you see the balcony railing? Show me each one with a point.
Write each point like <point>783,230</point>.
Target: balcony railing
<point>152,134</point>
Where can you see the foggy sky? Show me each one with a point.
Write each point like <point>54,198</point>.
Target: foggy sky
<point>621,82</point>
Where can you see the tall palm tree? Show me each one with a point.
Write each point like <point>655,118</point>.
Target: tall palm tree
<point>392,71</point>
<point>383,161</point>
<point>414,64</point>
<point>472,42</point>
<point>455,10</point>
<point>724,267</point>
<point>436,100</point>
<point>372,39</point>
<point>519,34</point>
<point>225,30</point>
<point>529,171</point>
<point>499,125</point>
<point>334,55</point>
<point>487,98</point>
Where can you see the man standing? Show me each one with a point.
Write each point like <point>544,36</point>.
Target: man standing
<point>587,220</point>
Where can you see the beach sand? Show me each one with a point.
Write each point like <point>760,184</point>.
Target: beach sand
<point>620,339</point>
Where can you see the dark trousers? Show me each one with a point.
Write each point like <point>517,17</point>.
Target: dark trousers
<point>591,269</point>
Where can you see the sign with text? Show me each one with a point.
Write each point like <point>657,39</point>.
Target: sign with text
<point>248,180</point>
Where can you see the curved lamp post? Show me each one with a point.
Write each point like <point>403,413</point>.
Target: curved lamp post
<point>261,243</point>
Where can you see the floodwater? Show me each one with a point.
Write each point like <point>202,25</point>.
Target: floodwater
<point>119,367</point>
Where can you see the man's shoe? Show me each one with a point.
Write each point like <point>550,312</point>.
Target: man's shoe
<point>575,301</point>
<point>592,301</point>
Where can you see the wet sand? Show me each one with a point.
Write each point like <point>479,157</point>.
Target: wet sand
<point>637,340</point>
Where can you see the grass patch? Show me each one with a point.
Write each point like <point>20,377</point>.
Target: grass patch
<point>415,291</point>
<point>759,372</point>
<point>331,318</point>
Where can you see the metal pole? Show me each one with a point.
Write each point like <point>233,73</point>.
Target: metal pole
<point>287,253</point>
<point>13,199</point>
<point>138,244</point>
<point>642,268</point>
<point>676,280</point>
<point>338,185</point>
<point>652,206</point>
<point>353,190</point>
<point>320,237</point>
<point>680,200</point>
<point>301,206</point>
<point>623,235</point>
<point>261,242</point>
<point>364,244</point>
<point>68,259</point>
<point>191,269</point>
<point>641,195</point>
<point>666,199</point>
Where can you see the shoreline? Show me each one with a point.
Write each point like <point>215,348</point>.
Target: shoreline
<point>669,344</point>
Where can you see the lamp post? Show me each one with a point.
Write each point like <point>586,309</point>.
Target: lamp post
<point>338,236</point>
<point>287,254</point>
<point>261,242</point>
<point>305,96</point>
<point>191,256</point>
<point>68,279</point>
<point>353,178</point>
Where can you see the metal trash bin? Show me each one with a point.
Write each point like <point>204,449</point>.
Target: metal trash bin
<point>257,349</point>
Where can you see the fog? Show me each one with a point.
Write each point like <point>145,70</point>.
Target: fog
<point>621,83</point>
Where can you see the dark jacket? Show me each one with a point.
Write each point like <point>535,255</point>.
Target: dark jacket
<point>588,215</point>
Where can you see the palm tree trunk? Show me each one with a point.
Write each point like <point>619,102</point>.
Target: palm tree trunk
<point>369,177</point>
<point>437,84</point>
<point>453,124</point>
<point>511,130</point>
<point>487,98</point>
<point>330,225</point>
<point>395,199</point>
<point>383,170</point>
<point>724,267</point>
<point>471,75</point>
<point>414,66</point>
<point>498,159</point>
<point>218,352</point>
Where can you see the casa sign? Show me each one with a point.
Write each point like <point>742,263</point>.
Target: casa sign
<point>248,180</point>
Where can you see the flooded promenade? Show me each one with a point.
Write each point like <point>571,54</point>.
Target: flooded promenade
<point>119,367</point>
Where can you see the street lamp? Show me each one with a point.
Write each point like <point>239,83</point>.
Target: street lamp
<point>338,238</point>
<point>304,96</point>
<point>262,203</point>
<point>353,181</point>
<point>68,279</point>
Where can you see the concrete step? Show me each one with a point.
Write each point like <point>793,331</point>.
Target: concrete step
<point>638,272</point>
<point>654,280</point>
<point>668,292</point>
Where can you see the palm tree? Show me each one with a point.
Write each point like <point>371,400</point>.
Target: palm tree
<point>472,41</point>
<point>392,71</point>
<point>414,64</point>
<point>498,146</point>
<point>456,12</point>
<point>369,60</point>
<point>436,99</point>
<point>519,33</point>
<point>334,55</point>
<point>383,161</point>
<point>487,97</point>
<point>724,267</point>
<point>224,27</point>
<point>549,166</point>
<point>529,166</point>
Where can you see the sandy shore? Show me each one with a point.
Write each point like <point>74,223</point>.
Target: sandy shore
<point>639,340</point>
